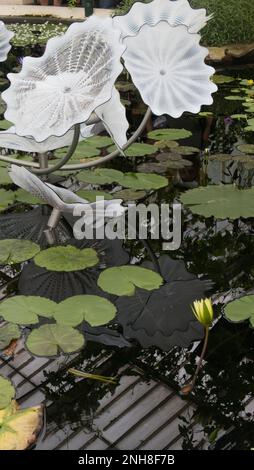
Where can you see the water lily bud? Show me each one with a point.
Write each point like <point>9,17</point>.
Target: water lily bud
<point>250,82</point>
<point>203,311</point>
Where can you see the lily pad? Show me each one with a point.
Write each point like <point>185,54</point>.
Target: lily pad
<point>220,157</point>
<point>7,392</point>
<point>83,150</point>
<point>4,124</point>
<point>143,181</point>
<point>66,258</point>
<point>20,428</point>
<point>93,309</point>
<point>100,176</point>
<point>169,134</point>
<point>99,141</point>
<point>24,310</point>
<point>13,251</point>
<point>234,98</point>
<point>123,280</point>
<point>23,196</point>
<point>186,150</point>
<point>241,309</point>
<point>220,79</point>
<point>163,144</point>
<point>49,340</point>
<point>153,167</point>
<point>8,333</point>
<point>137,150</point>
<point>222,202</point>
<point>6,198</point>
<point>4,177</point>
<point>166,157</point>
<point>246,148</point>
<point>205,114</point>
<point>239,116</point>
<point>90,195</point>
<point>129,195</point>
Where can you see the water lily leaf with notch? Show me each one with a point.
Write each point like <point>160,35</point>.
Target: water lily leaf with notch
<point>91,195</point>
<point>19,429</point>
<point>241,309</point>
<point>143,181</point>
<point>220,79</point>
<point>6,198</point>
<point>24,310</point>
<point>222,202</point>
<point>205,114</point>
<point>8,332</point>
<point>23,196</point>
<point>169,134</point>
<point>220,157</point>
<point>246,148</point>
<point>130,195</point>
<point>7,393</point>
<point>137,150</point>
<point>93,309</point>
<point>123,280</point>
<point>49,340</point>
<point>66,258</point>
<point>100,176</point>
<point>13,251</point>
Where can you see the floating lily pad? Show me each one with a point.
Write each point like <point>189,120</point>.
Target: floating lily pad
<point>93,309</point>
<point>16,251</point>
<point>6,198</point>
<point>66,258</point>
<point>4,124</point>
<point>239,116</point>
<point>20,428</point>
<point>163,144</point>
<point>129,195</point>
<point>83,150</point>
<point>186,150</point>
<point>241,309</point>
<point>123,280</point>
<point>91,195</point>
<point>24,310</point>
<point>4,177</point>
<point>49,340</point>
<point>23,196</point>
<point>99,141</point>
<point>220,79</point>
<point>246,148</point>
<point>137,150</point>
<point>7,393</point>
<point>8,333</point>
<point>143,181</point>
<point>221,201</point>
<point>169,134</point>
<point>100,176</point>
<point>166,157</point>
<point>220,157</point>
<point>153,167</point>
<point>234,98</point>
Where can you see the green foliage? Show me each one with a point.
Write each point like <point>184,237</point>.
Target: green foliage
<point>66,258</point>
<point>241,309</point>
<point>233,20</point>
<point>7,392</point>
<point>49,340</point>
<point>123,280</point>
<point>8,332</point>
<point>24,310</point>
<point>14,251</point>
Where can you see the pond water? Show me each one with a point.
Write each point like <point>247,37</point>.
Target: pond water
<point>219,251</point>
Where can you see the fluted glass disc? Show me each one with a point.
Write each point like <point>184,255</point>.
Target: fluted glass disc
<point>167,66</point>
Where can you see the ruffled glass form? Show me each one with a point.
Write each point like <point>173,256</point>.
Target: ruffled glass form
<point>5,37</point>
<point>75,75</point>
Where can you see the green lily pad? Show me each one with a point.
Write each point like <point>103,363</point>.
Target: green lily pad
<point>241,309</point>
<point>220,79</point>
<point>137,150</point>
<point>143,181</point>
<point>99,141</point>
<point>220,157</point>
<point>83,150</point>
<point>100,176</point>
<point>205,114</point>
<point>222,202</point>
<point>66,258</point>
<point>8,333</point>
<point>186,150</point>
<point>169,134</point>
<point>90,195</point>
<point>23,196</point>
<point>239,116</point>
<point>6,198</point>
<point>4,177</point>
<point>234,98</point>
<point>93,309</point>
<point>130,195</point>
<point>163,144</point>
<point>49,340</point>
<point>14,251</point>
<point>24,310</point>
<point>123,280</point>
<point>246,148</point>
<point>7,392</point>
<point>4,124</point>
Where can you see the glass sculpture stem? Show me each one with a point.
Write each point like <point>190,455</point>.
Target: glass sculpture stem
<point>201,357</point>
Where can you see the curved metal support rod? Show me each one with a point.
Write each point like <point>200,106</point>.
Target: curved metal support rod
<point>80,166</point>
<point>36,167</point>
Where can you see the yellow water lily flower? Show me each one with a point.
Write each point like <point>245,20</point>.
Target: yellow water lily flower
<point>203,311</point>
<point>250,82</point>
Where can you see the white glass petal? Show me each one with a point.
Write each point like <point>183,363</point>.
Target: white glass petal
<point>177,12</point>
<point>113,116</point>
<point>167,66</point>
<point>5,37</point>
<point>11,140</point>
<point>74,76</point>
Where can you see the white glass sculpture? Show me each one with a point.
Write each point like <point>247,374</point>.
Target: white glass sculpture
<point>167,66</point>
<point>174,12</point>
<point>5,37</point>
<point>61,199</point>
<point>75,75</point>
